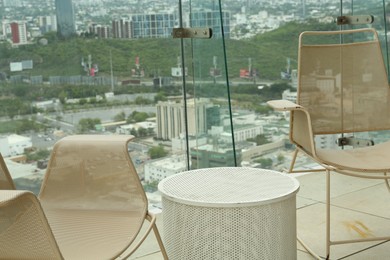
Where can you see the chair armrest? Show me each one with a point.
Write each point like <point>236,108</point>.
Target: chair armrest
<point>301,132</point>
<point>283,105</point>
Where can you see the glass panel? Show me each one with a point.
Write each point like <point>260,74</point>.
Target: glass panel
<point>378,11</point>
<point>210,137</point>
<point>112,67</point>
<point>89,67</point>
<point>262,64</point>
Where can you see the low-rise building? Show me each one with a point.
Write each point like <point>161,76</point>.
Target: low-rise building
<point>128,129</point>
<point>214,155</point>
<point>179,144</point>
<point>13,145</point>
<point>159,169</point>
<point>256,152</point>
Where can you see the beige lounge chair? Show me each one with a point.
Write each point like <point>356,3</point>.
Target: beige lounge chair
<point>6,182</point>
<point>342,90</point>
<point>93,198</point>
<point>24,231</point>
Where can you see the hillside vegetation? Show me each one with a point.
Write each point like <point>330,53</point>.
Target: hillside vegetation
<point>268,53</point>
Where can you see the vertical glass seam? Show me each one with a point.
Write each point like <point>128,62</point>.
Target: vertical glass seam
<point>227,82</point>
<point>184,89</point>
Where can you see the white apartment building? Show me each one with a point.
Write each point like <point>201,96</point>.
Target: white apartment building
<point>171,122</point>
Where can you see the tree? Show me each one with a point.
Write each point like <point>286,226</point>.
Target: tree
<point>160,96</point>
<point>259,139</point>
<point>92,100</point>
<point>280,158</point>
<point>87,124</point>
<point>142,132</point>
<point>142,101</point>
<point>266,163</point>
<point>82,101</point>
<point>157,152</point>
<point>151,186</point>
<point>134,132</point>
<point>37,155</point>
<point>62,97</point>
<point>137,117</point>
<point>120,117</point>
<point>263,109</point>
<point>27,125</point>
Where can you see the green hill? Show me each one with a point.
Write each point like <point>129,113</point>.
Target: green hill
<point>268,52</point>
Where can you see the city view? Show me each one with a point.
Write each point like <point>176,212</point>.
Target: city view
<point>113,67</point>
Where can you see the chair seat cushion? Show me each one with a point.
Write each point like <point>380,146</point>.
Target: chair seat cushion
<point>367,159</point>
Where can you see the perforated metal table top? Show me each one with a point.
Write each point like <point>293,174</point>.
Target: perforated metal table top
<point>228,187</point>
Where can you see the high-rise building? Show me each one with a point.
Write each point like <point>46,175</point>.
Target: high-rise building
<point>47,23</point>
<point>19,32</point>
<point>100,31</point>
<point>65,18</point>
<point>171,122</point>
<point>121,29</point>
<point>103,32</point>
<point>157,25</point>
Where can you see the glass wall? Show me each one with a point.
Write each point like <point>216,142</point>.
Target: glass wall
<point>378,10</point>
<point>190,102</point>
<point>210,139</point>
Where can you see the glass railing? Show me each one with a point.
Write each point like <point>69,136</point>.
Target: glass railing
<point>113,67</point>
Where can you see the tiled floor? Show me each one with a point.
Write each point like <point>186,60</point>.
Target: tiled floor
<point>360,208</point>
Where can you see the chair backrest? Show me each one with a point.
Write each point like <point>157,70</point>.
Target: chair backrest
<point>342,81</point>
<point>93,172</point>
<point>24,231</point>
<point>92,196</point>
<point>6,182</point>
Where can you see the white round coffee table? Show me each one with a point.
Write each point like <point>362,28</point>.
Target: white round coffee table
<point>229,213</point>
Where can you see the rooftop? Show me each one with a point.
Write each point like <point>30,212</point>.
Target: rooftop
<point>359,208</point>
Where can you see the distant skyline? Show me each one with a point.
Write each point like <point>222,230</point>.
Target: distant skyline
<point>65,17</point>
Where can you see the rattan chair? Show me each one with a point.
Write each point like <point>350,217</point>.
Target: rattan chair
<point>24,231</point>
<point>93,198</point>
<point>342,91</point>
<point>6,182</point>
